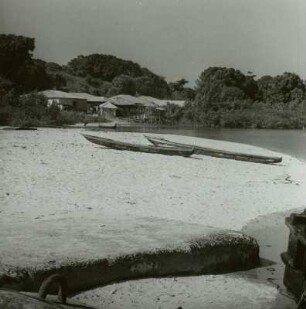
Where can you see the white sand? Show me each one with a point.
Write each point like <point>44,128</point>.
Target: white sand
<point>57,179</point>
<point>53,173</point>
<point>211,292</point>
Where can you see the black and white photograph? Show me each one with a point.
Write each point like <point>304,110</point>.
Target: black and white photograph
<point>153,154</point>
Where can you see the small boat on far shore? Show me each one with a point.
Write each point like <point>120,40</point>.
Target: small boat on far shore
<point>108,125</point>
<point>27,128</point>
<point>118,145</point>
<point>157,141</point>
<point>20,128</point>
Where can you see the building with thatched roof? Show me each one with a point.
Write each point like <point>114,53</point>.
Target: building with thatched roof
<point>149,101</point>
<point>127,105</point>
<point>94,103</point>
<point>108,110</point>
<point>123,100</point>
<point>141,107</point>
<point>66,100</point>
<point>79,101</point>
<point>180,103</point>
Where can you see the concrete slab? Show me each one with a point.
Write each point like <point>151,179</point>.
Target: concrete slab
<point>118,249</point>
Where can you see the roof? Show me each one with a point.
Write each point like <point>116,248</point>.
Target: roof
<point>80,95</point>
<point>54,94</point>
<point>118,100</point>
<point>179,103</point>
<point>161,103</point>
<point>57,94</point>
<point>97,99</point>
<point>108,105</point>
<point>148,101</point>
<point>123,99</point>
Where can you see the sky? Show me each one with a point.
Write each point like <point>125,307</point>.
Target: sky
<point>173,38</point>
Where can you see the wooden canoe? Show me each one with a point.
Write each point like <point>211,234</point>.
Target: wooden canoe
<point>20,128</point>
<point>110,143</point>
<point>108,125</point>
<point>26,128</point>
<point>216,152</point>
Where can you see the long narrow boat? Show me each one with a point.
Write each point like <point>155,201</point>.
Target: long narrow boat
<point>110,143</point>
<point>20,128</point>
<point>108,125</point>
<point>26,128</point>
<point>216,152</point>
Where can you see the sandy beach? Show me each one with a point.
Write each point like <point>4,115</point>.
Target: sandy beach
<point>56,180</point>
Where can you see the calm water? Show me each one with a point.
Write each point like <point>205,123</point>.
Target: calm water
<point>292,142</point>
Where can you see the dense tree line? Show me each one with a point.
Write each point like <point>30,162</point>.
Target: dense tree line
<point>110,76</point>
<point>222,97</point>
<point>225,97</point>
<point>18,69</point>
<point>97,74</point>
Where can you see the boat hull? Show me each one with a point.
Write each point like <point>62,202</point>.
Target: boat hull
<point>109,143</point>
<point>108,125</point>
<point>216,152</point>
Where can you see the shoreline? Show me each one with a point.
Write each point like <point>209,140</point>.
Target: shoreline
<point>55,176</point>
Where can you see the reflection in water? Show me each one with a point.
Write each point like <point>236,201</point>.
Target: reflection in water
<point>292,142</point>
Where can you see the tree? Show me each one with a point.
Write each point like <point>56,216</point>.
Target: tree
<point>125,75</point>
<point>32,76</point>
<point>178,85</point>
<point>18,66</point>
<point>179,91</point>
<point>106,67</point>
<point>214,80</point>
<point>281,88</point>
<point>152,85</point>
<point>15,51</point>
<point>53,67</point>
<point>125,84</point>
<point>8,102</point>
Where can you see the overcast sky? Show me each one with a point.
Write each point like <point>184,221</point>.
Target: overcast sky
<point>173,38</point>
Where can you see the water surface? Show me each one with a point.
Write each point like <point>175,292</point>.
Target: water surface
<point>292,142</point>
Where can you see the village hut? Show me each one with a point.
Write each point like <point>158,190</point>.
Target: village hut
<point>66,100</point>
<point>141,108</point>
<point>127,105</point>
<point>146,107</point>
<point>179,103</point>
<point>94,103</point>
<point>78,101</point>
<point>108,110</point>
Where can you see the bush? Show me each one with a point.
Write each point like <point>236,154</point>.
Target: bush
<point>259,115</point>
<point>7,102</point>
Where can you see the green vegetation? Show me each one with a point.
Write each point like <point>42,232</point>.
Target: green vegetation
<point>108,76</point>
<point>223,97</point>
<point>227,98</point>
<point>33,110</point>
<point>18,68</point>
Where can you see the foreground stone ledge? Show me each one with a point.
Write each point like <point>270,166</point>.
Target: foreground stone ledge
<point>208,251</point>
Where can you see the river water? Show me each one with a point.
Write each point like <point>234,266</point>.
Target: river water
<point>292,142</point>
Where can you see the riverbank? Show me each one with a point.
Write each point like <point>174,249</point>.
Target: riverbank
<point>56,181</point>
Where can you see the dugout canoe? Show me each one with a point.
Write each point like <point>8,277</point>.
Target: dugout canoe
<point>108,125</point>
<point>26,128</point>
<point>118,145</point>
<point>157,141</point>
<point>20,128</point>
